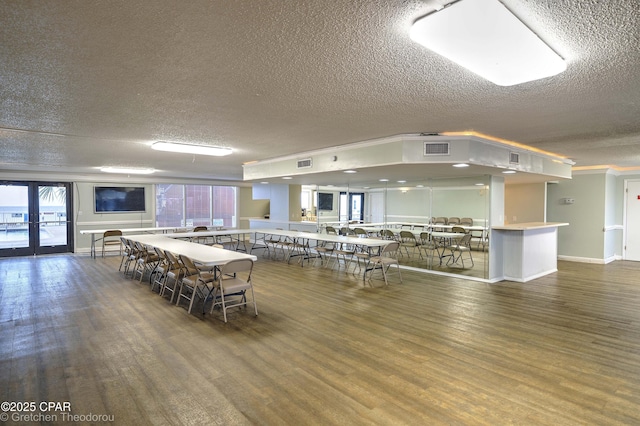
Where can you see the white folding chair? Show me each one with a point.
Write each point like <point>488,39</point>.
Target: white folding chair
<point>387,258</point>
<point>230,284</point>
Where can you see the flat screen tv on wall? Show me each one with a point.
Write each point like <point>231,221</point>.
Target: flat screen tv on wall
<point>325,201</point>
<point>119,199</point>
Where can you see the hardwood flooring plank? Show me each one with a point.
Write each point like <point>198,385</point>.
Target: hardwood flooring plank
<point>326,348</point>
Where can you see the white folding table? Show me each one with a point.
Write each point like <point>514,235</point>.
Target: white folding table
<point>94,232</point>
<point>210,257</point>
<point>206,255</point>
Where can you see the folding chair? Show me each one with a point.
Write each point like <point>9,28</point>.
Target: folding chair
<point>229,284</point>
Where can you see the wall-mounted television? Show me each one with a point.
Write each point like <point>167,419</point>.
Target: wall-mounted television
<point>325,201</point>
<point>119,199</point>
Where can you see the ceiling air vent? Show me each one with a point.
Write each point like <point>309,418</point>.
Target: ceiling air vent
<point>436,148</point>
<point>514,158</point>
<point>304,164</point>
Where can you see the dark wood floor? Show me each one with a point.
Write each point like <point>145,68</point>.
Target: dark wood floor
<point>560,350</point>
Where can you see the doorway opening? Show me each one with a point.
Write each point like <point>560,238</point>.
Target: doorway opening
<point>351,207</point>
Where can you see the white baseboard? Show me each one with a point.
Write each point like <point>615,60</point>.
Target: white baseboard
<point>530,277</point>
<point>589,259</point>
<point>612,259</point>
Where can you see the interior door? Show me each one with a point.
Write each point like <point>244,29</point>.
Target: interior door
<point>632,221</point>
<point>35,218</point>
<point>376,207</point>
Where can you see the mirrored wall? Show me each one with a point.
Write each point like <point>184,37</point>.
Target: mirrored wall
<point>442,224</point>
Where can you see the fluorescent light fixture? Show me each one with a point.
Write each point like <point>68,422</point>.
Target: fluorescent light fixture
<point>460,165</point>
<point>127,170</point>
<point>350,171</point>
<point>191,148</point>
<point>287,177</point>
<point>487,39</point>
<point>383,180</point>
<point>402,181</point>
<point>509,172</point>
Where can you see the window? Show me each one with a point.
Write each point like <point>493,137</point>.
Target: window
<point>224,206</point>
<point>195,205</point>
<point>170,205</point>
<point>198,205</point>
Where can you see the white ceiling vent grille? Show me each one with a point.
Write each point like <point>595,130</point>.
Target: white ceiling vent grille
<point>305,164</point>
<point>514,158</point>
<point>436,148</point>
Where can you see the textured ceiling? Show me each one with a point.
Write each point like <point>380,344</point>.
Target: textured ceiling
<point>85,84</point>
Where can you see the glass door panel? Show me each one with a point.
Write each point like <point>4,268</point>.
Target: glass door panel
<point>51,226</point>
<point>356,200</point>
<point>351,206</point>
<point>14,219</point>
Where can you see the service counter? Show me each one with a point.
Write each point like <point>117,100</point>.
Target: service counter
<point>524,251</point>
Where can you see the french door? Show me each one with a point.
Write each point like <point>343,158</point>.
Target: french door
<point>35,218</point>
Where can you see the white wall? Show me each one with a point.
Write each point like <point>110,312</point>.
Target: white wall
<point>86,219</point>
<point>420,204</point>
<point>284,200</point>
<point>461,202</point>
<point>411,205</point>
<point>495,217</point>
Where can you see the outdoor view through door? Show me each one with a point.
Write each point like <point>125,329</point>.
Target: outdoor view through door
<point>34,218</point>
<point>351,206</point>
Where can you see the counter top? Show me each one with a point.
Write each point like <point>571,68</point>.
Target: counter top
<point>528,225</point>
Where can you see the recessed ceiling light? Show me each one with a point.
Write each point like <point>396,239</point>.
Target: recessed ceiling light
<point>487,39</point>
<point>186,148</point>
<point>383,180</point>
<point>264,183</point>
<point>419,186</point>
<point>402,181</point>
<point>509,172</point>
<point>461,165</point>
<point>287,177</point>
<point>127,170</point>
<point>479,184</point>
<point>350,171</point>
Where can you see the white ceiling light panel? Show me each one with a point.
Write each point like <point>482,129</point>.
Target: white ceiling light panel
<point>486,38</point>
<point>185,148</point>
